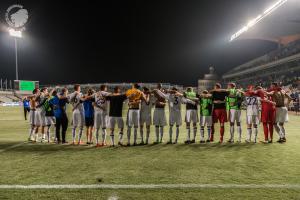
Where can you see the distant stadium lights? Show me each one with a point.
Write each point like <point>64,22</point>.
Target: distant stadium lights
<point>15,33</point>
<point>254,21</point>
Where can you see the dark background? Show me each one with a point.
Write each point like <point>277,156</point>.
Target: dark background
<point>129,41</point>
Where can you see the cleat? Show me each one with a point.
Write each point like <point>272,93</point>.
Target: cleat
<point>128,145</point>
<point>280,140</point>
<point>230,141</point>
<point>142,144</point>
<point>247,141</point>
<point>146,143</point>
<point>208,141</point>
<point>193,141</point>
<point>134,144</point>
<point>79,143</point>
<point>202,141</point>
<point>284,139</point>
<point>120,144</point>
<point>187,142</point>
<point>98,145</point>
<point>170,142</point>
<point>270,141</point>
<point>156,142</point>
<point>175,142</point>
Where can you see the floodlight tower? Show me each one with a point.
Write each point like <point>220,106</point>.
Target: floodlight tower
<point>16,17</point>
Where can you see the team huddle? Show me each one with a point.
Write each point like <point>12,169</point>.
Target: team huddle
<point>102,111</point>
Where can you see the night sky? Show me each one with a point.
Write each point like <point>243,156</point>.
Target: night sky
<point>129,41</point>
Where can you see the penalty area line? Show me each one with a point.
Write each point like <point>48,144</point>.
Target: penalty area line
<point>156,186</point>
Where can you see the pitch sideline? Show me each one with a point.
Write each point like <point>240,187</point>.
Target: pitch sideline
<point>155,186</point>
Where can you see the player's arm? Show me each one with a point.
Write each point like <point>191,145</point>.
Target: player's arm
<point>161,94</point>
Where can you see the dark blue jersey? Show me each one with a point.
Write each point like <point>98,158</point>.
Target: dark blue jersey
<point>88,108</point>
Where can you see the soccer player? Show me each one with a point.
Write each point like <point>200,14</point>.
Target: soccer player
<point>281,116</point>
<point>59,102</point>
<point>41,113</point>
<point>219,110</point>
<point>252,113</point>
<point>133,115</point>
<point>49,114</point>
<point>76,99</point>
<point>32,113</point>
<point>89,116</point>
<point>191,115</point>
<point>26,106</point>
<point>101,114</point>
<point>205,115</point>
<point>159,116</point>
<point>145,115</point>
<point>234,107</point>
<point>116,100</point>
<point>267,114</point>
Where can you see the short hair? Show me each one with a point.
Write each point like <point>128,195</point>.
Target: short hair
<point>205,92</point>
<point>90,91</point>
<point>44,89</point>
<point>146,89</point>
<point>54,92</point>
<point>218,85</point>
<point>102,87</point>
<point>35,90</point>
<point>174,88</point>
<point>76,86</point>
<point>116,89</point>
<point>275,84</point>
<point>159,85</point>
<point>232,84</point>
<point>136,86</point>
<point>64,90</point>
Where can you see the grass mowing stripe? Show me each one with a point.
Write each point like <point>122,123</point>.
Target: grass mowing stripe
<point>11,147</point>
<point>157,186</point>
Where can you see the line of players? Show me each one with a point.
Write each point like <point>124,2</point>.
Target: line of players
<point>101,110</point>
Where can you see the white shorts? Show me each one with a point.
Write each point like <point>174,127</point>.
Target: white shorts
<point>100,119</point>
<point>78,119</point>
<point>281,115</point>
<point>133,118</point>
<point>175,118</point>
<point>145,118</point>
<point>159,117</point>
<point>112,121</point>
<point>32,117</point>
<point>49,120</point>
<point>252,119</point>
<point>40,117</point>
<point>234,115</point>
<point>191,116</point>
<point>206,120</point>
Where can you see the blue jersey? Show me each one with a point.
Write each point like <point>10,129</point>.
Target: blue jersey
<point>59,106</point>
<point>26,104</point>
<point>88,108</point>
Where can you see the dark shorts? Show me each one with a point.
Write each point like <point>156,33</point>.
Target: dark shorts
<point>219,115</point>
<point>89,121</point>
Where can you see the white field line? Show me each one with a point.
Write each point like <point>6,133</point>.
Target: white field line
<point>157,186</point>
<point>11,147</point>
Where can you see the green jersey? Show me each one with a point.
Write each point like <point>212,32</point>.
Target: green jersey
<point>205,106</point>
<point>233,100</point>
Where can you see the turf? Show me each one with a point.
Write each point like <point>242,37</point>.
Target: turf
<point>27,163</point>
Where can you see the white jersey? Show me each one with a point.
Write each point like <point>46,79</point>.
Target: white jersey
<point>75,100</point>
<point>40,101</point>
<point>252,103</point>
<point>146,107</point>
<point>101,102</point>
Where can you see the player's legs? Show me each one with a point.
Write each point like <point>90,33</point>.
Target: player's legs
<point>232,116</point>
<point>170,134</point>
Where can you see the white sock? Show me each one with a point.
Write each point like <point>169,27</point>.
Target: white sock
<point>31,131</point>
<point>202,134</point>
<point>97,136</point>
<point>36,137</point>
<point>104,135</point>
<point>157,133</point>
<point>249,130</point>
<point>231,133</point>
<point>43,136</point>
<point>177,134</point>
<point>278,131</point>
<point>208,133</point>
<point>48,133</point>
<point>161,133</point>
<point>188,138</point>
<point>239,129</point>
<point>195,132</point>
<point>255,134</point>
<point>80,134</point>
<point>128,134</point>
<point>170,133</point>
<point>73,134</point>
<point>142,134</point>
<point>147,135</point>
<point>135,135</point>
<point>121,137</point>
<point>112,138</point>
<point>282,131</point>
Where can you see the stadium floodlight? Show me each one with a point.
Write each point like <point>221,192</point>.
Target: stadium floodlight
<point>16,17</point>
<point>15,33</point>
<point>254,21</point>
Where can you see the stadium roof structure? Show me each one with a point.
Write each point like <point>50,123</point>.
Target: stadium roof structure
<point>281,26</point>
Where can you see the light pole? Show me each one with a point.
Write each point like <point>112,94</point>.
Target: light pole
<point>16,34</point>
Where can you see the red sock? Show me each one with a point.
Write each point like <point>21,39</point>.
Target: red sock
<point>222,130</point>
<point>266,131</point>
<point>271,127</point>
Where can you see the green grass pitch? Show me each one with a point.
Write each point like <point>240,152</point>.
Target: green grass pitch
<point>23,163</point>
